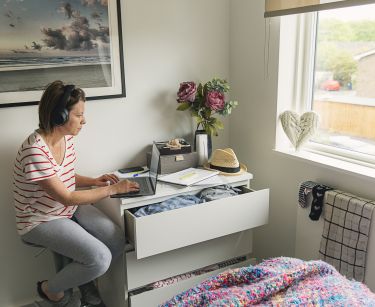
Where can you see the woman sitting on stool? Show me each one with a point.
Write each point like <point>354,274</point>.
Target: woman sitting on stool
<point>49,210</point>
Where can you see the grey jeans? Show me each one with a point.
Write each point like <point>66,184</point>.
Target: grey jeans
<point>91,241</point>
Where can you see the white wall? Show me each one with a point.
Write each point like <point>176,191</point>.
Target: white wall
<point>165,42</point>
<point>252,133</point>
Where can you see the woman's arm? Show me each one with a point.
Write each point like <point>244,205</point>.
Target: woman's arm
<point>83,181</point>
<point>57,190</point>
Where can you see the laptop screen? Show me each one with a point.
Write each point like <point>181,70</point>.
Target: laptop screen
<point>154,165</point>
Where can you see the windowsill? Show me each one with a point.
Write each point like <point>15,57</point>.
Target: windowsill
<point>362,171</point>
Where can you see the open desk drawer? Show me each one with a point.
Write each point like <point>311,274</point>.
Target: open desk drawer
<point>159,295</point>
<point>169,230</point>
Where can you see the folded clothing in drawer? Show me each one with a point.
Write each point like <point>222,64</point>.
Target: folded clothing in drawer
<point>210,268</point>
<point>221,191</point>
<point>181,201</point>
<point>175,279</point>
<point>169,204</point>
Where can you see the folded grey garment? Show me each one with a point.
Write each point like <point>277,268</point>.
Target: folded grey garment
<point>218,192</point>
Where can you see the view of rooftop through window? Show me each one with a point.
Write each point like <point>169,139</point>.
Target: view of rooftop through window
<point>344,78</point>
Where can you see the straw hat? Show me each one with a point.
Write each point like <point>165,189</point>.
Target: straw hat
<point>225,161</point>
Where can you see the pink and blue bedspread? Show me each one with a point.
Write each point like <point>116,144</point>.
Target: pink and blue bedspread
<point>277,282</point>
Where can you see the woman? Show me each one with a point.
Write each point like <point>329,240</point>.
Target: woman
<point>50,211</point>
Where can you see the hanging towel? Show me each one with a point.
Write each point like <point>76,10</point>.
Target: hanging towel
<point>312,192</point>
<point>305,189</point>
<point>347,221</point>
<point>318,200</point>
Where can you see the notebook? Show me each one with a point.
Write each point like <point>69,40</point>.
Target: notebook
<point>188,176</point>
<point>147,184</point>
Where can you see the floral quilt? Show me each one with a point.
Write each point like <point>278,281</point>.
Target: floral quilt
<point>277,282</point>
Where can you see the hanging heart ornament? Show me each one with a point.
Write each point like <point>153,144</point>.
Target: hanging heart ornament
<point>299,129</point>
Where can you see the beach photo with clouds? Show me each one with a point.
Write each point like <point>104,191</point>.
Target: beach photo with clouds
<point>46,40</point>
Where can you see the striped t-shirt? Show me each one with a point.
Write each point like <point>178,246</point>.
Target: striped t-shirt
<point>35,162</point>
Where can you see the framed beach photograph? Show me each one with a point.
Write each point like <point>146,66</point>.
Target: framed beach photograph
<point>76,41</point>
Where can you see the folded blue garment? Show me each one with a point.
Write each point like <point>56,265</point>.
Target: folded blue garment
<point>169,204</point>
<point>181,201</point>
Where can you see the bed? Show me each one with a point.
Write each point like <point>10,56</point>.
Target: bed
<point>278,281</point>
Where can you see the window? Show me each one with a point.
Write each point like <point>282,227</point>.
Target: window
<point>339,69</point>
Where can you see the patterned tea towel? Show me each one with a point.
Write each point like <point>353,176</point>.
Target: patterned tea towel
<point>347,221</point>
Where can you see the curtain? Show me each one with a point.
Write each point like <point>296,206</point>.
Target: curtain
<point>286,7</point>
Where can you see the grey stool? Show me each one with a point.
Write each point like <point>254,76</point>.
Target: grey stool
<point>60,262</point>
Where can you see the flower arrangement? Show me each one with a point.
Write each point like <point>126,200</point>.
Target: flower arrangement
<point>204,101</point>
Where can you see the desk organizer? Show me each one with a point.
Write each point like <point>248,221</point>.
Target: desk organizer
<point>165,150</point>
<point>174,163</point>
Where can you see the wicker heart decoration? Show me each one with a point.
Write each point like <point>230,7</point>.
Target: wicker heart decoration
<point>299,129</point>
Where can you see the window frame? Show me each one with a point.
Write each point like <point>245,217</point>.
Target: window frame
<point>304,87</point>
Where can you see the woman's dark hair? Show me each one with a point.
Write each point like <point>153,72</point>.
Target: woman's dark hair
<point>51,98</point>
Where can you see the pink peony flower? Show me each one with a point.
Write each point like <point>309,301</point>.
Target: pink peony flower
<point>187,92</point>
<point>215,100</point>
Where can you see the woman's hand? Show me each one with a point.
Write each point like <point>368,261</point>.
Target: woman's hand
<point>126,186</point>
<point>106,179</point>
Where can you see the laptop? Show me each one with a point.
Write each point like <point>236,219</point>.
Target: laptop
<point>147,184</point>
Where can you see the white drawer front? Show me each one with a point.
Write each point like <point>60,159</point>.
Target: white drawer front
<point>160,295</point>
<point>141,272</point>
<point>161,232</point>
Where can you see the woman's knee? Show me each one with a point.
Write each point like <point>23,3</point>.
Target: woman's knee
<point>100,260</point>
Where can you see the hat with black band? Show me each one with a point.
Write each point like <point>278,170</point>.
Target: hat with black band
<point>225,161</point>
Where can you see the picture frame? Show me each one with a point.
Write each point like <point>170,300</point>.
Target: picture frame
<point>78,42</point>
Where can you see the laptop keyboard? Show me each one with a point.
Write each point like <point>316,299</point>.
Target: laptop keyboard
<point>144,185</point>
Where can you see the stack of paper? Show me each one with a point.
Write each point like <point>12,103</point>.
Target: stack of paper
<point>188,176</point>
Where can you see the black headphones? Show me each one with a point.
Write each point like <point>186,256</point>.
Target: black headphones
<point>60,114</point>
